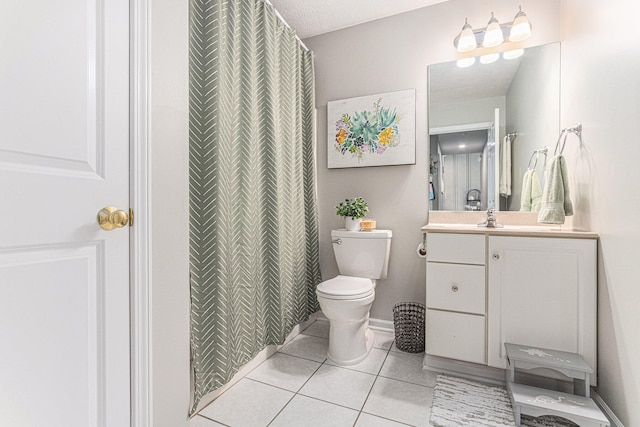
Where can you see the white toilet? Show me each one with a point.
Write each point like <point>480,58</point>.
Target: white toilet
<point>363,258</point>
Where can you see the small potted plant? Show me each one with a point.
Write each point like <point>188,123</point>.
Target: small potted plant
<point>353,210</point>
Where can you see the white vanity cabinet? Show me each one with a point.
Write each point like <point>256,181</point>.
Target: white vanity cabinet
<point>485,288</point>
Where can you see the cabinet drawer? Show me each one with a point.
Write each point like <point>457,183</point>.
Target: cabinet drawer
<point>456,336</point>
<point>456,287</point>
<point>458,248</point>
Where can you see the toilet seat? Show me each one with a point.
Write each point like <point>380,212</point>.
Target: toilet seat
<point>345,288</point>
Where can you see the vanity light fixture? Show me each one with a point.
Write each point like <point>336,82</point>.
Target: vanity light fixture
<point>467,40</point>
<point>521,27</point>
<point>494,34</point>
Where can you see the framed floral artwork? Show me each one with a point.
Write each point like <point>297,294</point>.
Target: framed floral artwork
<point>373,130</point>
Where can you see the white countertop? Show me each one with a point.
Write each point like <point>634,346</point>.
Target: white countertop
<point>510,230</point>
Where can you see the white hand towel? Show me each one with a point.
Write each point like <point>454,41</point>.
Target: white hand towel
<point>531,196</point>
<point>556,203</point>
<point>505,167</point>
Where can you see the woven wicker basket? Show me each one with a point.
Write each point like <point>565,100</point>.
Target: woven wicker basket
<point>408,322</point>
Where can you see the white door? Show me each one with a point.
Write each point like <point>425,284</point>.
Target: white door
<point>64,155</point>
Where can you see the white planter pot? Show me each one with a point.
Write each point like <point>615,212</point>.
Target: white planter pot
<point>352,224</point>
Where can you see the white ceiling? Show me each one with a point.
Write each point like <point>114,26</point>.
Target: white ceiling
<point>312,17</point>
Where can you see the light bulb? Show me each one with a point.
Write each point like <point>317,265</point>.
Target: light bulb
<point>465,62</point>
<point>521,28</point>
<point>513,54</point>
<point>466,39</point>
<point>493,34</point>
<point>488,59</point>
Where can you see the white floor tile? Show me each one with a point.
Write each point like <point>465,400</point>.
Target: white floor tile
<point>284,371</point>
<point>367,420</point>
<point>370,365</point>
<point>199,421</point>
<point>248,403</point>
<point>383,339</point>
<point>307,347</point>
<point>304,411</point>
<point>340,386</point>
<point>319,328</point>
<point>407,367</point>
<point>400,401</point>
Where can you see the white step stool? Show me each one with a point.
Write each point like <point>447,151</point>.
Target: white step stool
<point>538,402</point>
<point>570,364</point>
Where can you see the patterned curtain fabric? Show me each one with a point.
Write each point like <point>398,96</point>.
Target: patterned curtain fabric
<point>253,202</point>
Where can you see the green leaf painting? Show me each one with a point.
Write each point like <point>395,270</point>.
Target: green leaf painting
<point>368,132</point>
<point>372,130</point>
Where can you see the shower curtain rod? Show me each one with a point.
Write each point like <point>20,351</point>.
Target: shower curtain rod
<point>287,25</point>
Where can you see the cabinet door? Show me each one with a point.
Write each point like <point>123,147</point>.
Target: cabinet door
<point>542,293</point>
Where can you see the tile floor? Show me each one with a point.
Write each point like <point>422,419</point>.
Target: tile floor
<point>298,386</point>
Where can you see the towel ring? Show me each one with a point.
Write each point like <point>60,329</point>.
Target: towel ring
<point>564,142</point>
<point>577,129</point>
<point>537,154</point>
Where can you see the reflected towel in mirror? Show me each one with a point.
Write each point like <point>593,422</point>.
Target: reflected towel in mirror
<point>531,199</point>
<point>505,167</point>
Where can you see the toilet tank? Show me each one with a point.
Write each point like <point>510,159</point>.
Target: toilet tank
<point>362,253</point>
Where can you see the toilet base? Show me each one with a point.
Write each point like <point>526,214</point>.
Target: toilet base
<point>349,344</point>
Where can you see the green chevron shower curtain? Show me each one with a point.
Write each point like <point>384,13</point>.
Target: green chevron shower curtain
<point>253,203</point>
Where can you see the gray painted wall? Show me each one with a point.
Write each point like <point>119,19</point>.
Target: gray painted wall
<point>382,56</point>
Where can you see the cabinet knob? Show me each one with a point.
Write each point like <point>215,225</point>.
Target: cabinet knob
<point>454,288</point>
<point>496,256</point>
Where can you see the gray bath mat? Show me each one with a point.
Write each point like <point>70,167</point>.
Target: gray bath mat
<point>462,402</point>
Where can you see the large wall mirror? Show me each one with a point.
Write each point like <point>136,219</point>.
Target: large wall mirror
<point>488,125</point>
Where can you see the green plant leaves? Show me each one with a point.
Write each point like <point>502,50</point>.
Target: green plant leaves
<point>355,208</point>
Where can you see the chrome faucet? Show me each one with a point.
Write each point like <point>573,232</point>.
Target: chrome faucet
<point>492,221</point>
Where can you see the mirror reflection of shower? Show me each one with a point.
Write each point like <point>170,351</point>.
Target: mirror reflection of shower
<point>463,168</point>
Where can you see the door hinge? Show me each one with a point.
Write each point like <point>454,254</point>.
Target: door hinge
<point>130,217</point>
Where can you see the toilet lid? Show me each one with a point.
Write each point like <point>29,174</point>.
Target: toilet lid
<point>346,287</point>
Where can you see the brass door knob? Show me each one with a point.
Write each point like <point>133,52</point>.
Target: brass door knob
<point>110,218</point>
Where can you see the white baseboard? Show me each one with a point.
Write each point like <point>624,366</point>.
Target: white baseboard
<point>613,419</point>
<point>250,366</point>
<point>381,325</point>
